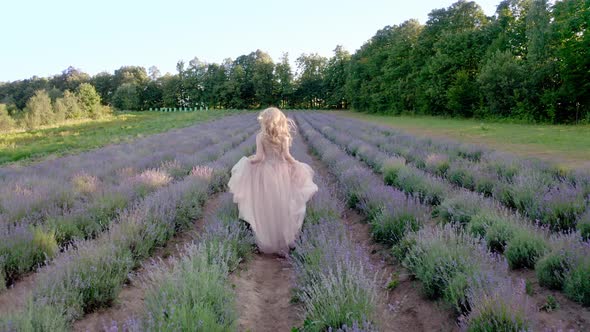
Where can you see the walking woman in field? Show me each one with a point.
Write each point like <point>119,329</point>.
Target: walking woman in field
<point>271,188</point>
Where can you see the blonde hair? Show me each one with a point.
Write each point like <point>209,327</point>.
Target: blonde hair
<point>275,126</point>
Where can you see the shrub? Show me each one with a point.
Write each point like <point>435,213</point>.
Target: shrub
<point>437,164</point>
<point>525,192</point>
<point>499,234</point>
<point>38,111</point>
<point>485,185</point>
<point>392,223</point>
<point>584,225</point>
<point>562,206</point>
<point>461,177</point>
<point>459,209</point>
<point>89,101</point>
<point>6,121</point>
<point>577,283</point>
<point>390,169</point>
<point>436,260</point>
<point>524,249</point>
<point>73,110</point>
<point>202,300</point>
<point>503,308</point>
<point>551,269</point>
<point>428,189</point>
<point>478,226</point>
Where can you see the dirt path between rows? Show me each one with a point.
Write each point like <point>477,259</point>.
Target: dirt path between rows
<point>14,299</point>
<point>129,303</point>
<point>404,308</point>
<point>263,291</point>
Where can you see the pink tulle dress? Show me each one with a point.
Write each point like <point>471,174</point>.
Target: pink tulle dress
<point>271,190</point>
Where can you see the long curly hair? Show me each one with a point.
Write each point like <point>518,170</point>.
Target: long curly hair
<point>275,126</point>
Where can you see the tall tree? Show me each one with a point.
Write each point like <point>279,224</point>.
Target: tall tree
<point>335,78</point>
<point>310,81</point>
<point>284,81</point>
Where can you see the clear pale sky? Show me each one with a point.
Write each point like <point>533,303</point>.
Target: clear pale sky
<point>44,37</point>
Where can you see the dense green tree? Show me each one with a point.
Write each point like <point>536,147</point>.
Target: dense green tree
<point>89,101</point>
<point>104,84</point>
<point>500,81</point>
<point>38,111</point>
<point>335,78</point>
<point>263,80</point>
<point>73,110</point>
<point>126,98</point>
<point>284,82</point>
<point>70,79</point>
<point>152,95</point>
<point>572,48</point>
<point>311,90</point>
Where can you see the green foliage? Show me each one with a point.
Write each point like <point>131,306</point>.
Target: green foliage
<point>577,283</point>
<point>500,80</point>
<point>38,111</point>
<point>498,234</point>
<point>394,282</point>
<point>73,110</point>
<point>551,304</point>
<point>528,287</point>
<point>524,249</point>
<point>126,97</point>
<point>201,301</point>
<point>89,101</point>
<point>551,269</point>
<point>459,209</point>
<point>6,121</point>
<point>390,227</point>
<point>497,319</point>
<point>584,226</point>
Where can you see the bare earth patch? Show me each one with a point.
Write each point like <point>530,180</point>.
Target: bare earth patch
<point>15,297</point>
<point>263,288</point>
<point>569,316</point>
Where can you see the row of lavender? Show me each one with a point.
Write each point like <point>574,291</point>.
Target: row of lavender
<point>335,281</point>
<point>543,192</point>
<point>91,275</point>
<point>25,245</point>
<point>451,265</point>
<point>195,294</point>
<point>561,260</point>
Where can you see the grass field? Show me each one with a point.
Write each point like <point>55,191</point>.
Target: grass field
<point>565,145</point>
<point>85,135</point>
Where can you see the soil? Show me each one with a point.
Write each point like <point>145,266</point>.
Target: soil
<point>568,316</point>
<point>15,297</point>
<point>263,290</point>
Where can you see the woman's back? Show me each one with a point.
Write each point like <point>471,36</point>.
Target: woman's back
<point>271,189</point>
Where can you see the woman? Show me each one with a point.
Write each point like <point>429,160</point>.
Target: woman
<point>271,188</point>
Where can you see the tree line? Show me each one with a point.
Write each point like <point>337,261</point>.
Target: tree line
<point>529,61</point>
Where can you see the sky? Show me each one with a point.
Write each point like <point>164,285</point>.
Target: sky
<point>43,37</point>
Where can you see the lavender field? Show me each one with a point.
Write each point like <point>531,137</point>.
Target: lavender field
<point>405,233</point>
